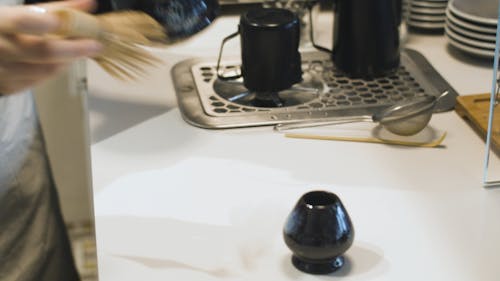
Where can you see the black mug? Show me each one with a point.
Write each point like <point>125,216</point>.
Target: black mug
<point>270,58</point>
<point>366,37</point>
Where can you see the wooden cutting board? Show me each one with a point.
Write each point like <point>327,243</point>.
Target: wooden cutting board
<point>475,109</point>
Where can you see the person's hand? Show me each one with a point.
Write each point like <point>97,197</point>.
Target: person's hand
<point>27,54</point>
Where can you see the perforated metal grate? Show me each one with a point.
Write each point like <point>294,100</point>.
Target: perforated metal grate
<point>324,92</point>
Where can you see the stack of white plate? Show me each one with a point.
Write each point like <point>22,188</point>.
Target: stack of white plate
<point>405,5</point>
<point>427,14</point>
<point>471,26</point>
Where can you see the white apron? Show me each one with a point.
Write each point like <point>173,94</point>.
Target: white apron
<point>33,240</point>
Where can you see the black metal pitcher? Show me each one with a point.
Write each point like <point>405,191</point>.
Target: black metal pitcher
<point>365,37</point>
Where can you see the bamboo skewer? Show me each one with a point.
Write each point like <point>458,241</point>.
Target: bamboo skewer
<point>433,143</point>
<point>120,33</point>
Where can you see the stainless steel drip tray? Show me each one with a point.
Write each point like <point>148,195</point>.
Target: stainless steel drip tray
<point>208,102</point>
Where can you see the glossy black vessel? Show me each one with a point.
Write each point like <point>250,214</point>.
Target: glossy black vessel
<point>318,231</point>
<point>270,54</point>
<point>366,37</point>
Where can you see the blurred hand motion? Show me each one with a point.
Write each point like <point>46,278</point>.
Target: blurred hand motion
<point>120,33</point>
<point>38,41</point>
<point>28,54</point>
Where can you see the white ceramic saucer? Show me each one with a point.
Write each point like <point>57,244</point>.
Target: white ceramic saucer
<point>429,4</point>
<point>468,25</point>
<point>468,41</point>
<point>428,11</point>
<point>431,1</point>
<point>470,33</point>
<point>478,11</point>
<point>425,24</point>
<point>469,49</point>
<point>433,18</point>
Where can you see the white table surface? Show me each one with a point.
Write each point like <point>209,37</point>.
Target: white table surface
<point>176,202</point>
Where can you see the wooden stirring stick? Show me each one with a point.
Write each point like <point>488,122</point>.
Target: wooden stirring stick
<point>433,143</point>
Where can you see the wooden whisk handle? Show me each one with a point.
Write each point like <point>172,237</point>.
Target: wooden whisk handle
<point>78,24</point>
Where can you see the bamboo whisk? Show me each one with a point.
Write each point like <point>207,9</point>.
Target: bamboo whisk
<point>119,32</point>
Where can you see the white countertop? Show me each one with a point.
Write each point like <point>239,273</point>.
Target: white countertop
<point>176,202</point>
